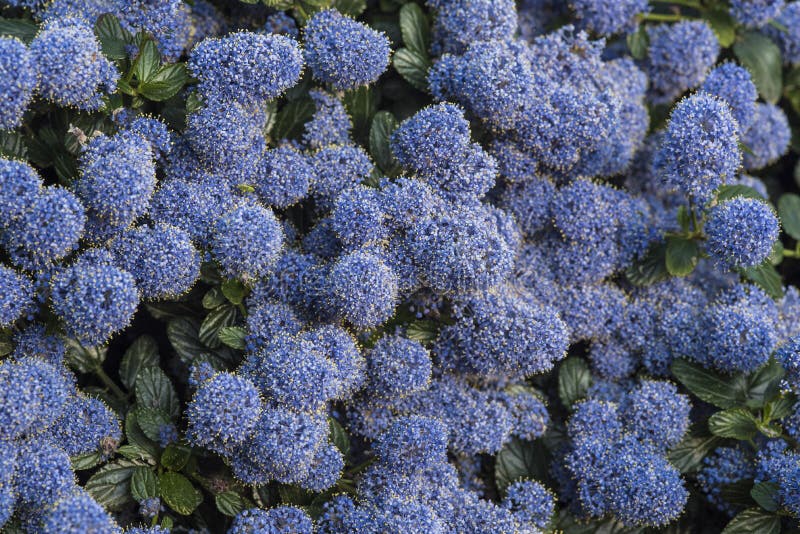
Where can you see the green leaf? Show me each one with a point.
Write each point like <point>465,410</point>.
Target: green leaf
<point>151,422</point>
<point>423,331</point>
<point>137,438</point>
<point>762,57</point>
<point>738,493</point>
<point>651,268</point>
<point>136,452</point>
<point>727,192</point>
<point>415,29</point>
<point>517,460</point>
<point>763,384</point>
<point>22,29</point>
<point>155,390</point>
<point>638,42</point>
<point>82,462</point>
<point>113,38</point>
<point>178,493</point>
<point>142,353</point>
<point>682,256</point>
<point>687,456</point>
<point>383,125</point>
<point>723,25</point>
<point>214,298</point>
<point>350,7</point>
<point>705,384</point>
<point>234,291</point>
<point>781,407</point>
<point>789,213</point>
<point>234,337</point>
<point>292,118</point>
<point>229,503</point>
<point>183,335</point>
<point>110,485</point>
<point>753,520</point>
<point>766,277</point>
<point>144,484</point>
<point>361,104</point>
<point>147,61</point>
<point>413,67</point>
<point>736,423</point>
<point>213,322</point>
<point>84,359</point>
<point>176,456</point>
<point>574,379</point>
<point>766,495</point>
<point>165,83</point>
<point>339,437</point>
<point>12,145</point>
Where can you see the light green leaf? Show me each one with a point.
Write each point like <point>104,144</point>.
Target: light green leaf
<point>736,423</point>
<point>682,256</point>
<point>762,57</point>
<point>144,484</point>
<point>176,456</point>
<point>82,462</point>
<point>723,25</point>
<point>113,38</point>
<point>229,503</point>
<point>178,493</point>
<point>234,337</point>
<point>234,291</point>
<point>413,67</point>
<point>147,61</point>
<point>165,83</point>
<point>727,192</point>
<point>638,43</point>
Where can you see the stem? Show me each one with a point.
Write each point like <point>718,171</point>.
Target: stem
<point>106,380</point>
<point>657,17</point>
<point>686,3</point>
<point>790,254</point>
<point>778,26</point>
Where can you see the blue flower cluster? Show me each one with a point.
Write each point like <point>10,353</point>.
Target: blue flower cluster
<point>344,287</point>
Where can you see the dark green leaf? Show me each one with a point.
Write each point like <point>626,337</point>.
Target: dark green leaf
<point>383,125</point>
<point>767,278</point>
<point>178,493</point>
<point>147,62</point>
<point>762,57</point>
<point>234,337</point>
<point>339,437</point>
<point>110,485</point>
<point>168,309</point>
<point>12,145</point>
<point>705,384</point>
<point>766,495</point>
<point>736,423</point>
<point>682,256</point>
<point>789,212</point>
<point>144,484</point>
<point>175,456</point>
<point>86,461</point>
<point>781,407</point>
<point>687,456</point>
<point>183,335</point>
<point>764,383</point>
<point>137,438</point>
<point>84,359</point>
<point>136,452</point>
<point>638,42</point>
<point>350,7</point>
<point>155,390</point>
<point>152,422</point>
<point>415,29</point>
<point>723,25</point>
<point>650,269</point>
<point>229,503</point>
<point>214,298</point>
<point>142,353</point>
<point>234,291</point>
<point>214,321</point>
<point>113,38</point>
<point>194,103</point>
<point>753,520</point>
<point>574,379</point>
<point>413,67</point>
<point>361,104</point>
<point>727,192</point>
<point>515,461</point>
<point>738,493</point>
<point>22,29</point>
<point>165,83</point>
<point>292,118</point>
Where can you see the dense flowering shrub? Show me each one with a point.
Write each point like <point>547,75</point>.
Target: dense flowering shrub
<point>448,266</point>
